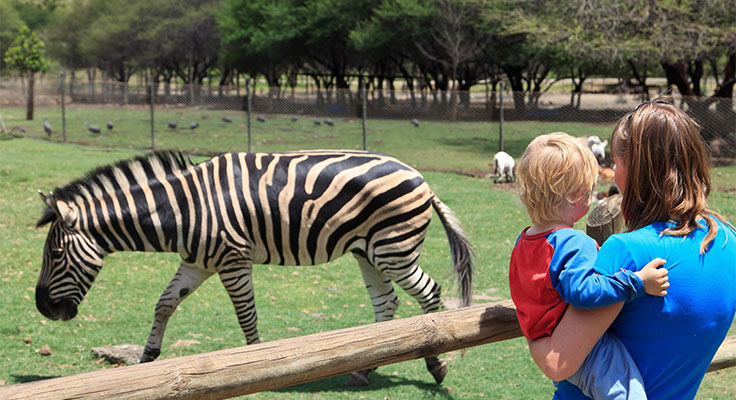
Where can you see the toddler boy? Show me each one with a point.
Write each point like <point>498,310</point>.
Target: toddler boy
<point>552,264</point>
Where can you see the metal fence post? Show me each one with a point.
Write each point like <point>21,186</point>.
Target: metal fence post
<point>500,118</point>
<point>153,96</point>
<point>63,106</point>
<point>365,110</point>
<point>248,106</point>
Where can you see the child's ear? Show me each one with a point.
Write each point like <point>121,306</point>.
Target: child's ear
<point>582,198</point>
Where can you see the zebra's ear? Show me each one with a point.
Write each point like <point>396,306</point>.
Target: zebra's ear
<point>48,214</point>
<point>48,200</point>
<point>65,213</point>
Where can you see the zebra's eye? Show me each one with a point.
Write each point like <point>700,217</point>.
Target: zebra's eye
<point>57,251</point>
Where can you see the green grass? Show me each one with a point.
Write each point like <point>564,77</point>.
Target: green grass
<point>465,146</point>
<point>292,301</point>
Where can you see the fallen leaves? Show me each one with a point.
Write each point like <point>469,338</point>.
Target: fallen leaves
<point>45,350</point>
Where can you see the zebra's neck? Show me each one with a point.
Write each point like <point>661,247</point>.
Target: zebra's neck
<point>138,218</point>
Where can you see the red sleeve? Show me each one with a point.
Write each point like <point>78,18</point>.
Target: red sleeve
<point>539,307</point>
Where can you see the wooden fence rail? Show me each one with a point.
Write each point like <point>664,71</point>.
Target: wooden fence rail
<point>266,366</point>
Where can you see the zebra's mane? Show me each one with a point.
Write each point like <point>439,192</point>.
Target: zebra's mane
<point>98,179</point>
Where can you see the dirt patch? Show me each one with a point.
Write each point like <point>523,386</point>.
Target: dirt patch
<point>723,161</point>
<point>17,97</point>
<point>473,173</point>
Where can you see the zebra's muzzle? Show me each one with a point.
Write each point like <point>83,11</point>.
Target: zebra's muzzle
<point>64,310</point>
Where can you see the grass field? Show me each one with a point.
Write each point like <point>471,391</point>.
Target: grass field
<point>436,145</point>
<point>292,301</point>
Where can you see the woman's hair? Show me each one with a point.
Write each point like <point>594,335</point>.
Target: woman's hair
<point>553,168</point>
<point>668,177</point>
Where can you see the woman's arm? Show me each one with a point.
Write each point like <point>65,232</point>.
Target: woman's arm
<point>561,355</point>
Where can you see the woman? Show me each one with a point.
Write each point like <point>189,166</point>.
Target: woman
<point>662,170</point>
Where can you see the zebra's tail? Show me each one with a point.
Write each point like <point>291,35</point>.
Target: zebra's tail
<point>460,249</point>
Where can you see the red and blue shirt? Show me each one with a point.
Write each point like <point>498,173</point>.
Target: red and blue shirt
<point>552,269</point>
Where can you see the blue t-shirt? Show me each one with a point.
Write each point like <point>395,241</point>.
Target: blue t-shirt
<point>673,339</point>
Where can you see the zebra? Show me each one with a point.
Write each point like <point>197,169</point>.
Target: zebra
<point>238,209</point>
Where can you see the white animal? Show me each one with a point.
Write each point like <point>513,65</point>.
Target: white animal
<point>589,140</point>
<point>596,145</point>
<point>599,150</point>
<point>503,166</point>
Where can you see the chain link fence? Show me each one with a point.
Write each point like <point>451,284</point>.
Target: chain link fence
<point>252,117</point>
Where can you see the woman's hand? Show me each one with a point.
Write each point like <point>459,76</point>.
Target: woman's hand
<point>561,355</point>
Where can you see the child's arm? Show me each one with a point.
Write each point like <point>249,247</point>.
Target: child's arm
<point>575,278</point>
<point>655,279</point>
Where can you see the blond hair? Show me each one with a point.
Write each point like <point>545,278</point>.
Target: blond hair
<point>555,168</point>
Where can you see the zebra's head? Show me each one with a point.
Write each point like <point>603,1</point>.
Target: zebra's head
<point>71,261</point>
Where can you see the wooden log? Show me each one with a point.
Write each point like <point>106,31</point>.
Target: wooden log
<point>281,363</point>
<point>726,355</point>
<point>605,219</point>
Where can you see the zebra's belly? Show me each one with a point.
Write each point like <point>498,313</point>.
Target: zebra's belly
<point>295,256</point>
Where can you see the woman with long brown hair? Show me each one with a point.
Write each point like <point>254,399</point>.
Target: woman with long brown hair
<point>663,172</point>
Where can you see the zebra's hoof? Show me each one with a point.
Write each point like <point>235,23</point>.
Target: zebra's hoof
<point>439,371</point>
<point>359,379</point>
<point>149,356</point>
<point>145,359</point>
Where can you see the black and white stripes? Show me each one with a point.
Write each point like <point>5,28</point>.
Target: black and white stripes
<point>239,209</point>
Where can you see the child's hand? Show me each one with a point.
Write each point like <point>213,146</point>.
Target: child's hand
<point>655,279</point>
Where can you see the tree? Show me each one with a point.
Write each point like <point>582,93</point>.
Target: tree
<point>36,14</point>
<point>572,38</point>
<point>70,24</point>
<point>441,40</point>
<point>386,42</point>
<point>27,55</point>
<point>257,35</point>
<point>194,41</point>
<point>693,35</point>
<point>457,42</point>
<point>10,23</point>
<point>328,52</point>
<point>64,33</point>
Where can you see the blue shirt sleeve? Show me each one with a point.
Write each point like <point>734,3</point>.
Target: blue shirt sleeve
<point>573,275</point>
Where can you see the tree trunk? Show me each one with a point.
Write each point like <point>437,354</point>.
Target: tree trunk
<point>695,70</point>
<point>677,75</point>
<point>516,80</point>
<point>72,80</point>
<point>29,105</point>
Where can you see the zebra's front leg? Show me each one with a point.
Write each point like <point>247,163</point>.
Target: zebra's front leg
<point>186,280</point>
<point>238,280</point>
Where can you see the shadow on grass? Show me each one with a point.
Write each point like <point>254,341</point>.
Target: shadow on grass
<point>31,378</point>
<point>378,381</point>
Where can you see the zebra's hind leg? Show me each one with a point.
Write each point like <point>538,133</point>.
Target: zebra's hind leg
<point>426,291</point>
<point>186,280</point>
<point>238,280</point>
<point>385,302</point>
